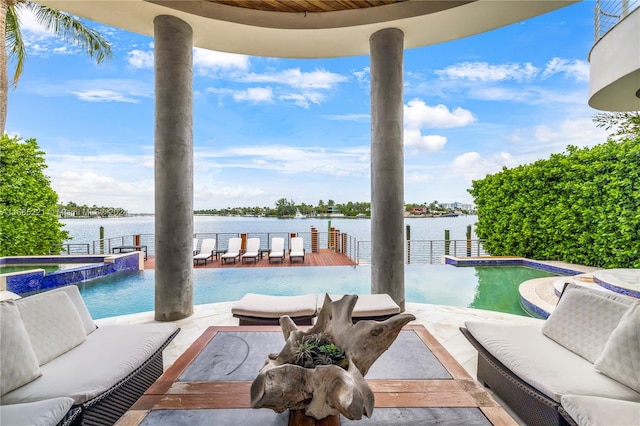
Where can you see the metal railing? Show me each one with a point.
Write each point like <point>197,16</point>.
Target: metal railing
<point>607,14</point>
<point>416,251</point>
<point>427,251</point>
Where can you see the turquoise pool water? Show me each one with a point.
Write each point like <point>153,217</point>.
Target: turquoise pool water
<point>485,287</point>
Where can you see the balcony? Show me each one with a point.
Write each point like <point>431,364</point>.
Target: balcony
<point>614,82</point>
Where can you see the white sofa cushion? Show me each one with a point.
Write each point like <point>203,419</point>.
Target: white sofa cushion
<point>267,306</point>
<point>597,411</point>
<point>544,364</point>
<point>620,358</point>
<point>583,320</point>
<point>74,294</point>
<point>53,324</point>
<point>18,362</point>
<point>107,356</point>
<point>41,413</point>
<point>368,305</point>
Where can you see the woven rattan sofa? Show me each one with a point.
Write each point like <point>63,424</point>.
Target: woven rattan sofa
<point>578,367</point>
<point>59,368</point>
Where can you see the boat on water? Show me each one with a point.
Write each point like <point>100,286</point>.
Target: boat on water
<point>299,215</point>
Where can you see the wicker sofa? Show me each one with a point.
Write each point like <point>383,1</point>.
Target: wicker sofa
<point>581,366</point>
<point>59,368</point>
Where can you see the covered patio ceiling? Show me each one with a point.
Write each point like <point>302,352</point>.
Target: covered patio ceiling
<point>311,28</point>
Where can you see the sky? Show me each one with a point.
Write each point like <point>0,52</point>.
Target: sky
<point>269,128</point>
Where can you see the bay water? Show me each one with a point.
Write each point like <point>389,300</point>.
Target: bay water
<point>87,230</point>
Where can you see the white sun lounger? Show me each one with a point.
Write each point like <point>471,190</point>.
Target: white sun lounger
<point>233,250</point>
<point>207,251</point>
<point>297,249</point>
<point>277,249</point>
<point>263,309</point>
<point>253,249</point>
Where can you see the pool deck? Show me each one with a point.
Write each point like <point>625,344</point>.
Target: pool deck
<point>324,258</point>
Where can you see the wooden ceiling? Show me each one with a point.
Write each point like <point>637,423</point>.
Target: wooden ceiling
<point>301,6</point>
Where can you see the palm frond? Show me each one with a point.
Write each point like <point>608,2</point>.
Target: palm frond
<point>71,29</point>
<point>15,43</point>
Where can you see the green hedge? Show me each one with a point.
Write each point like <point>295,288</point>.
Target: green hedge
<point>28,215</point>
<point>582,206</point>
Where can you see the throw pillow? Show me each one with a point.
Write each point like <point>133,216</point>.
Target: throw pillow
<point>18,362</point>
<point>584,319</point>
<point>620,358</point>
<point>53,324</point>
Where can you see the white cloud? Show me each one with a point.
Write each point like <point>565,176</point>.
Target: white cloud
<point>99,90</point>
<point>318,79</point>
<point>304,99</point>
<point>472,165</point>
<point>577,69</point>
<point>209,62</point>
<point>429,143</point>
<point>29,24</point>
<point>348,117</point>
<point>482,71</point>
<point>103,95</point>
<point>417,177</point>
<point>140,59</point>
<point>254,94</point>
<point>418,115</point>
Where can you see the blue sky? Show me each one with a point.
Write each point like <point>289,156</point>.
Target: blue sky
<point>267,128</point>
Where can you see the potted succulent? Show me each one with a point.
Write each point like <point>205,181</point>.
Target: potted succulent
<point>319,373</point>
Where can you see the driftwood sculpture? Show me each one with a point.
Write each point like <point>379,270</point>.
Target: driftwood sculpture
<point>326,390</point>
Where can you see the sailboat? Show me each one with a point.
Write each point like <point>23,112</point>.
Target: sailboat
<point>299,215</point>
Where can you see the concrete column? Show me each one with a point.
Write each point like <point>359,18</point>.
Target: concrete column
<point>173,168</point>
<point>387,164</point>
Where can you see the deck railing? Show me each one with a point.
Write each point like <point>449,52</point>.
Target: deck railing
<point>607,14</point>
<point>416,251</point>
<point>427,251</point>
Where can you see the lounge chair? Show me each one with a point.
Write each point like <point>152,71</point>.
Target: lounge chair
<point>195,246</point>
<point>253,250</point>
<point>297,248</point>
<point>207,251</point>
<point>277,249</point>
<point>262,309</point>
<point>233,250</point>
<point>377,307</point>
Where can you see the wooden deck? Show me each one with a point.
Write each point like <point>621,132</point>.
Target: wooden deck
<point>324,258</point>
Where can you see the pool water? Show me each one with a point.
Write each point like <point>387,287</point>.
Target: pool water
<point>486,287</point>
<point>5,269</point>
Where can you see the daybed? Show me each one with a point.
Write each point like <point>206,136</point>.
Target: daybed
<point>59,368</point>
<point>262,309</point>
<point>580,366</point>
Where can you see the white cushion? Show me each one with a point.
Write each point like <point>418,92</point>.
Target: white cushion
<point>109,355</point>
<point>583,320</point>
<point>620,358</point>
<point>368,305</point>
<point>74,294</point>
<point>18,362</point>
<point>597,411</point>
<point>543,363</point>
<point>53,324</point>
<point>41,413</point>
<point>267,306</point>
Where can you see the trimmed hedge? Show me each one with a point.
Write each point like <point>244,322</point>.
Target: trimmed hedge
<point>581,206</point>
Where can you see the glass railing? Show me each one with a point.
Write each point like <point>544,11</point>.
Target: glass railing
<point>608,13</point>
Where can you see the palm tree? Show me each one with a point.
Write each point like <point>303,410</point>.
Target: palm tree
<point>12,45</point>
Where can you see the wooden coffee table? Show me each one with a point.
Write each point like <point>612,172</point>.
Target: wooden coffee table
<point>196,387</point>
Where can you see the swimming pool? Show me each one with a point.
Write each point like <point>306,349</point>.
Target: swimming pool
<point>483,287</point>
